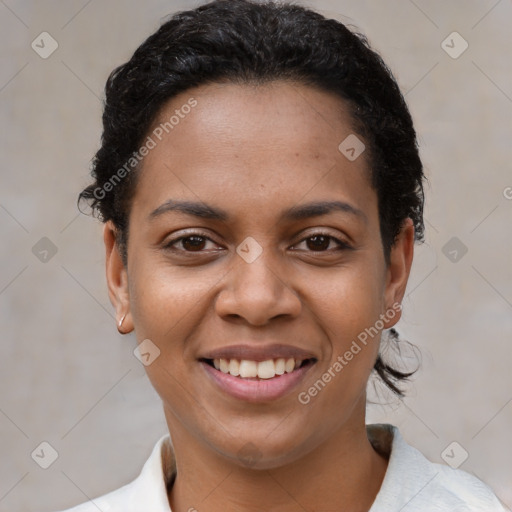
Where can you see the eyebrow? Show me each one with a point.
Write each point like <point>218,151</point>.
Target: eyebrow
<point>319,208</point>
<point>193,208</point>
<point>299,212</point>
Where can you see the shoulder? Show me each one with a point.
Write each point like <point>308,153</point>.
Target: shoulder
<point>147,492</point>
<point>465,490</point>
<point>414,484</point>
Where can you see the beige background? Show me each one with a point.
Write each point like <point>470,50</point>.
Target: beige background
<point>68,378</point>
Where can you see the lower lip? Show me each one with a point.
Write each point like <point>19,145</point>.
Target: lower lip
<point>262,390</point>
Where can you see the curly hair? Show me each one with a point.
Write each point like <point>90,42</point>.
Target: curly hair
<point>248,42</point>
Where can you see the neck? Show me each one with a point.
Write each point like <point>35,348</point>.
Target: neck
<point>345,471</point>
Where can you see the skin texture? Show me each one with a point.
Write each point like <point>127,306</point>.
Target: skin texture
<point>255,151</point>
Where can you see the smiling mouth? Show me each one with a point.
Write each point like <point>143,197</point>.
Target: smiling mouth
<point>246,369</point>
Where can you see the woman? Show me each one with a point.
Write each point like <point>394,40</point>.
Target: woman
<point>261,190</point>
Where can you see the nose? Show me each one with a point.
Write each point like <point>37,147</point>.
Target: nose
<point>257,292</point>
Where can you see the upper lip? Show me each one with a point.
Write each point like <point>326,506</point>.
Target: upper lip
<point>258,352</point>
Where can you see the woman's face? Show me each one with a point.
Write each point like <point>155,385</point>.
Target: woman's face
<point>253,238</point>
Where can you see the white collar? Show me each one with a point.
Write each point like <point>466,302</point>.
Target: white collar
<point>411,481</point>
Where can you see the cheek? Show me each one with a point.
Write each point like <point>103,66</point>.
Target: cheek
<point>168,305</point>
<point>348,300</point>
<point>347,306</point>
<point>167,308</point>
<point>166,301</point>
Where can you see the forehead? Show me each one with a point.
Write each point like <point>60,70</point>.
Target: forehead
<point>259,146</point>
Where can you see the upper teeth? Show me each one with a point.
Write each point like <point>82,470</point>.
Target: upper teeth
<point>264,369</point>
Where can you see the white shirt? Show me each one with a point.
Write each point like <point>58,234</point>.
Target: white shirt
<point>411,483</point>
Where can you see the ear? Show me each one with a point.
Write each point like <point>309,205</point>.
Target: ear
<point>398,271</point>
<point>117,280</point>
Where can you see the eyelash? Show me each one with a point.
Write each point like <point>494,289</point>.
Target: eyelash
<point>172,243</point>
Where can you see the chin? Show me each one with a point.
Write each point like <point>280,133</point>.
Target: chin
<point>261,452</point>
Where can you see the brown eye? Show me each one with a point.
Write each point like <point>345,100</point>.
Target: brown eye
<point>318,242</point>
<point>193,243</point>
<point>322,242</point>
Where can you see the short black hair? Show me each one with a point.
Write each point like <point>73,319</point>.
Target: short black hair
<point>250,42</point>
